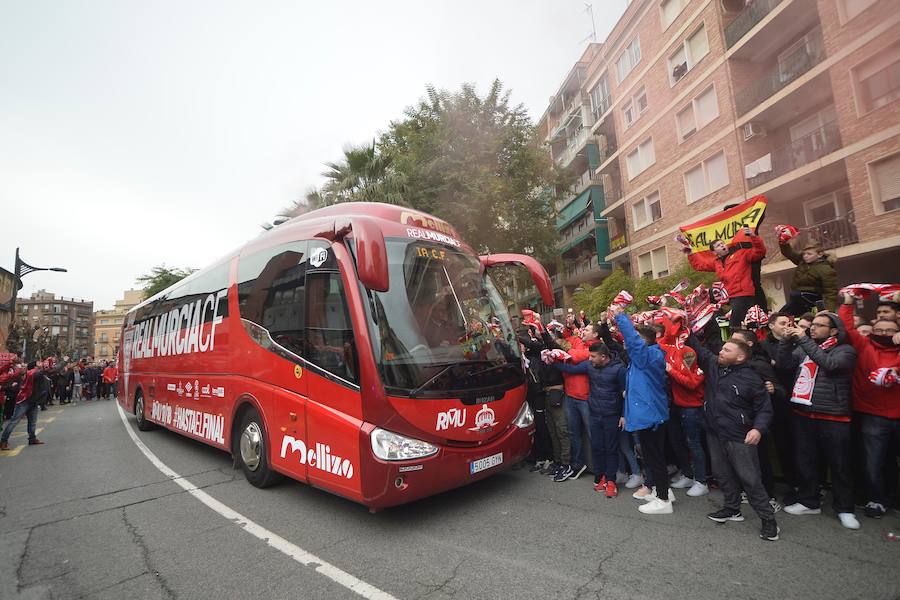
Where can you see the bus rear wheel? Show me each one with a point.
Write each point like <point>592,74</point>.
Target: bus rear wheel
<point>252,451</point>
<point>142,423</point>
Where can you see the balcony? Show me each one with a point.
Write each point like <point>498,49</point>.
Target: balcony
<point>809,51</point>
<point>748,19</point>
<point>586,179</point>
<point>574,144</point>
<point>618,242</point>
<point>599,110</point>
<point>831,234</point>
<point>813,146</point>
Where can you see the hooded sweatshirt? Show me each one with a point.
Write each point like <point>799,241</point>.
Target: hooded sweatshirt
<point>646,401</point>
<point>868,397</point>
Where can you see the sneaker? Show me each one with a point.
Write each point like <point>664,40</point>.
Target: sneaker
<point>724,515</point>
<point>656,507</point>
<point>652,495</point>
<point>564,473</point>
<point>600,485</point>
<point>576,473</point>
<point>744,498</point>
<point>642,493</point>
<point>769,530</point>
<point>848,520</point>
<point>537,466</point>
<point>671,470</point>
<point>611,490</point>
<point>682,482</point>
<point>34,442</point>
<point>634,481</point>
<point>550,468</point>
<point>874,510</point>
<point>698,489</point>
<point>774,504</point>
<point>4,445</point>
<point>801,509</point>
<point>621,478</point>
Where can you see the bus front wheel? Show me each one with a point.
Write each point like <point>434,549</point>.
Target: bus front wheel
<point>252,451</point>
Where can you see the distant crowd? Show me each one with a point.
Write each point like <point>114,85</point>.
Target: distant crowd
<point>30,388</point>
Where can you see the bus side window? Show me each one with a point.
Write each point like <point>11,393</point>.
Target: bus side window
<point>330,343</point>
<point>271,292</point>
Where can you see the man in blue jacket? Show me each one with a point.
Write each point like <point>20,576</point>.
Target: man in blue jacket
<point>607,379</point>
<point>647,407</point>
<point>737,412</point>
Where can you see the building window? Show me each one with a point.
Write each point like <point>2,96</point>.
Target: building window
<point>646,210</point>
<point>669,11</point>
<point>640,158</point>
<point>850,8</point>
<point>654,264</point>
<point>635,107</point>
<point>600,97</point>
<point>878,80</point>
<point>701,111</point>
<point>695,47</point>
<point>707,177</point>
<point>885,177</point>
<point>629,59</point>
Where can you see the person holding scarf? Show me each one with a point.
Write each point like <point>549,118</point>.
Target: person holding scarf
<point>876,398</point>
<point>820,400</point>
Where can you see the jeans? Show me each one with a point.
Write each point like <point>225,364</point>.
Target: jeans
<point>677,441</point>
<point>558,427</point>
<point>736,467</point>
<point>801,302</point>
<point>739,307</point>
<point>831,439</point>
<point>605,445</point>
<point>877,434</point>
<point>692,426</point>
<point>22,409</point>
<point>628,461</point>
<point>653,447</point>
<point>578,414</point>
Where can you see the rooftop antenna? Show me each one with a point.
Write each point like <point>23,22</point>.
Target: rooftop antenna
<point>589,8</point>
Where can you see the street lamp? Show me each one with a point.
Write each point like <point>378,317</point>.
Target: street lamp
<point>22,269</point>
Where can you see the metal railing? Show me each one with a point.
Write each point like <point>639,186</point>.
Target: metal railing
<point>831,234</point>
<point>586,179</point>
<point>812,146</point>
<point>747,20</point>
<point>573,145</point>
<point>787,70</point>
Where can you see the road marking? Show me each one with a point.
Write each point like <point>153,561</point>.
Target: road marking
<point>21,433</point>
<point>272,539</point>
<point>13,451</point>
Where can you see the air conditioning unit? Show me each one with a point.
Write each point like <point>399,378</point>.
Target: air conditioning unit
<point>752,130</point>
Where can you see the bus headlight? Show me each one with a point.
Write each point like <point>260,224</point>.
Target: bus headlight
<point>393,446</point>
<point>525,418</point>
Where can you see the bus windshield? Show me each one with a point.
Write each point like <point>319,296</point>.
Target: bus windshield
<point>442,327</point>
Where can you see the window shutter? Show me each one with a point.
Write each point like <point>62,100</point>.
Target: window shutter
<point>707,107</point>
<point>887,178</point>
<point>699,46</point>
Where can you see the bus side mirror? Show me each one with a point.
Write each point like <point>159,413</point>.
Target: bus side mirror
<point>535,269</point>
<point>371,253</point>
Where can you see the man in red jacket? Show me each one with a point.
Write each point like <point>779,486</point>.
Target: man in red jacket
<point>110,373</point>
<point>733,266</point>
<point>876,398</point>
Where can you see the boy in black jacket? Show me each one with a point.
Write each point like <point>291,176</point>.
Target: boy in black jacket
<point>737,413</point>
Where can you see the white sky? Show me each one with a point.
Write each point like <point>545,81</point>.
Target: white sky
<point>138,133</point>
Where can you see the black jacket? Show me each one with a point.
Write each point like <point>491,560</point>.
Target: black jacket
<point>831,394</point>
<point>735,398</point>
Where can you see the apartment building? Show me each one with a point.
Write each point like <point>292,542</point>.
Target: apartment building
<point>700,104</point>
<point>67,319</point>
<point>108,325</point>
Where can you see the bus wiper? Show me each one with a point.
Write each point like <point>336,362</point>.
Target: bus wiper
<point>447,367</point>
<point>491,369</point>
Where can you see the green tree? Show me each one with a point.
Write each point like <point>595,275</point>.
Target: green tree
<point>160,278</point>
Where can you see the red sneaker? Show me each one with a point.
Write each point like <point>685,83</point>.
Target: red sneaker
<point>611,490</point>
<point>600,485</point>
<point>35,442</point>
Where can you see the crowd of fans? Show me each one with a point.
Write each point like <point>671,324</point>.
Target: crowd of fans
<point>30,388</point>
<point>684,397</point>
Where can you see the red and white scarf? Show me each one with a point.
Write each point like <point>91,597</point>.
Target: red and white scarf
<point>806,379</point>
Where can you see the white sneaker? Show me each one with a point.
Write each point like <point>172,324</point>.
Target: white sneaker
<point>698,489</point>
<point>621,478</point>
<point>671,469</point>
<point>848,520</point>
<point>643,493</point>
<point>652,495</point>
<point>744,498</point>
<point>801,509</point>
<point>634,481</point>
<point>656,507</point>
<point>682,482</point>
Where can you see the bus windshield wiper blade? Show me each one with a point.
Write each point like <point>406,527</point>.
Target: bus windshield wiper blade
<point>490,369</point>
<point>448,367</point>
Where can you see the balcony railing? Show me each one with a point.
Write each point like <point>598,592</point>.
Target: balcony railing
<point>586,179</point>
<point>813,146</point>
<point>587,265</point>
<point>573,145</point>
<point>618,242</point>
<point>809,53</point>
<point>748,19</point>
<point>831,234</point>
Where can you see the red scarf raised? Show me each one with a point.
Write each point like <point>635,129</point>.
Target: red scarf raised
<point>806,379</point>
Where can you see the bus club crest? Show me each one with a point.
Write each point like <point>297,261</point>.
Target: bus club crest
<point>484,420</point>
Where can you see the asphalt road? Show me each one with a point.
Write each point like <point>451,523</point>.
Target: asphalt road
<point>89,516</point>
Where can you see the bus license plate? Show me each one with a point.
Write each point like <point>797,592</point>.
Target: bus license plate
<point>485,463</point>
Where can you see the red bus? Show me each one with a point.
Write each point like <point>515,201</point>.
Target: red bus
<point>361,348</point>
